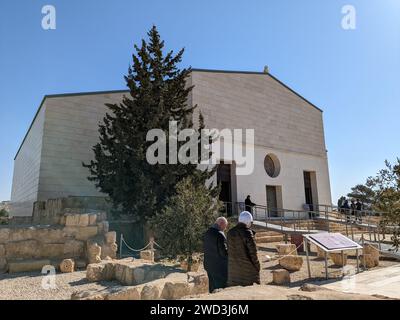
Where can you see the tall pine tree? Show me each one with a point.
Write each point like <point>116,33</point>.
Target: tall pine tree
<point>158,94</point>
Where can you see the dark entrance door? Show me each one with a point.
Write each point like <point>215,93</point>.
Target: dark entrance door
<point>272,203</point>
<point>308,189</point>
<point>224,179</point>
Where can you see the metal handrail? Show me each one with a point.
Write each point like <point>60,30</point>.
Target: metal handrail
<point>316,209</point>
<point>295,216</point>
<point>333,207</point>
<point>286,217</point>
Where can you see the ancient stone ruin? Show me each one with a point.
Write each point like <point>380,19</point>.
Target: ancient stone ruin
<point>73,233</point>
<point>142,280</point>
<point>288,260</point>
<point>54,235</point>
<point>370,256</point>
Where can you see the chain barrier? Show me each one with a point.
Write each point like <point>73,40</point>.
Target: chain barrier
<point>371,243</point>
<point>130,248</point>
<point>157,244</point>
<point>150,244</point>
<point>290,253</point>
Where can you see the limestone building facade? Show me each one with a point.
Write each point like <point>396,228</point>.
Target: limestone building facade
<point>291,164</point>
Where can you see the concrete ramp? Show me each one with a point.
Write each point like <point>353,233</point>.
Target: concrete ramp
<point>285,230</point>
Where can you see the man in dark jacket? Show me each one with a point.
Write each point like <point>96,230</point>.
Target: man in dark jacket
<point>359,208</point>
<point>353,209</point>
<point>346,209</point>
<point>249,204</point>
<point>216,254</point>
<point>243,263</point>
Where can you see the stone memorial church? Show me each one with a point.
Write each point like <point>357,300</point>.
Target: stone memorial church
<point>290,168</point>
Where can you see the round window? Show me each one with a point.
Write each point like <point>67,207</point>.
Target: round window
<point>271,165</point>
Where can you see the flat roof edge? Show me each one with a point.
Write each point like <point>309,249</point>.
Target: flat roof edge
<point>227,71</point>
<point>260,73</point>
<point>88,93</point>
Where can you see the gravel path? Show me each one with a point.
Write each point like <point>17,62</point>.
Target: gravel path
<point>28,286</point>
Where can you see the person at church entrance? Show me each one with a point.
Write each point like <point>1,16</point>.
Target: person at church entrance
<point>359,208</point>
<point>353,210</point>
<point>249,204</point>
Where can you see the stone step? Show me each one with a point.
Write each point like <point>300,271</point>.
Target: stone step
<point>266,233</point>
<point>268,239</point>
<point>27,265</point>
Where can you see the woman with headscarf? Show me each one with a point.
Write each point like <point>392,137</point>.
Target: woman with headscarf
<point>243,263</point>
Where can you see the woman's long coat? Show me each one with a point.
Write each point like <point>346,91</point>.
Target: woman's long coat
<point>243,263</point>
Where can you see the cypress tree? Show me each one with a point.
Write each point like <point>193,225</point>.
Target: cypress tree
<point>158,94</point>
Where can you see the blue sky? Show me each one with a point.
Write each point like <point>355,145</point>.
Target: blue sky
<point>353,75</point>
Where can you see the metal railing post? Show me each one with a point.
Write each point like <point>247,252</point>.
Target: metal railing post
<point>352,232</point>
<point>152,248</point>
<point>326,265</point>
<point>329,226</point>
<point>363,255</point>
<point>298,219</point>
<point>369,229</point>
<point>379,241</point>
<point>120,245</point>
<point>308,259</point>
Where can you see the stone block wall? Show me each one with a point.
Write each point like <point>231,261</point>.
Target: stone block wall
<point>29,248</point>
<point>51,211</point>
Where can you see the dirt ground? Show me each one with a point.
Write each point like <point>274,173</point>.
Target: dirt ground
<point>269,292</point>
<point>28,286</point>
<point>299,280</point>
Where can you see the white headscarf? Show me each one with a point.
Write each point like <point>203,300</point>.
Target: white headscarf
<point>246,218</point>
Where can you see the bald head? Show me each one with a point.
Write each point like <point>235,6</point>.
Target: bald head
<point>222,223</point>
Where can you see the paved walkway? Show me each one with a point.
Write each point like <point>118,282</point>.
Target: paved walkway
<point>383,281</point>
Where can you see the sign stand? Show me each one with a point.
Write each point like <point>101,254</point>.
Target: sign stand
<point>358,262</point>
<point>308,258</point>
<point>330,243</point>
<point>326,265</point>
